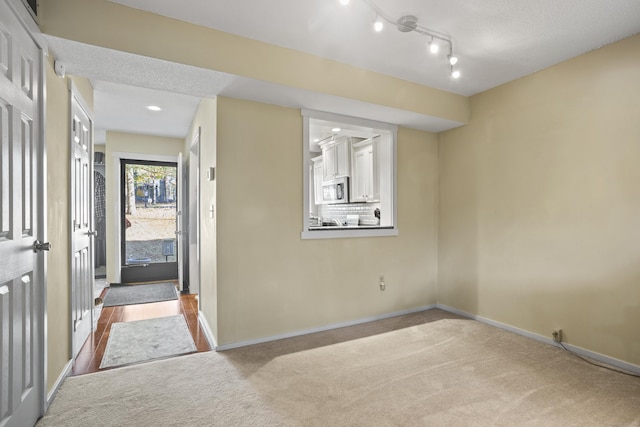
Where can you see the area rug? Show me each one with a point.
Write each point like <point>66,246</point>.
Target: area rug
<point>142,340</point>
<point>140,294</point>
<point>448,372</point>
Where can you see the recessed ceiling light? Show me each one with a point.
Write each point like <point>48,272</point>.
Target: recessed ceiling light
<point>336,130</point>
<point>153,108</point>
<point>344,2</point>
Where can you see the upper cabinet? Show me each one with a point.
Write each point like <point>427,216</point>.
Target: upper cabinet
<point>364,181</point>
<point>336,158</point>
<point>318,177</point>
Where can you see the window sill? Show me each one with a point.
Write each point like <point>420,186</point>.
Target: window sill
<point>347,232</point>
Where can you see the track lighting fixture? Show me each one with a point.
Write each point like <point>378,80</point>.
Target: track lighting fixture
<point>409,23</point>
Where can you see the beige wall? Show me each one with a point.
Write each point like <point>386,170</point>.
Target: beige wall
<point>58,223</point>
<point>127,145</point>
<point>155,36</point>
<point>535,225</point>
<point>540,203</point>
<point>271,282</point>
<point>58,264</point>
<point>205,120</point>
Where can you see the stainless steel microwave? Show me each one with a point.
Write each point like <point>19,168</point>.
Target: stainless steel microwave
<point>335,191</point>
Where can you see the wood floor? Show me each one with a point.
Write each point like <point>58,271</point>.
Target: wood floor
<point>90,355</point>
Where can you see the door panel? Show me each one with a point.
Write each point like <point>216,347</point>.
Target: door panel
<point>82,222</point>
<point>21,283</point>
<point>149,218</point>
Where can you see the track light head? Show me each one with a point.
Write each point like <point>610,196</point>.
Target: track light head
<point>455,73</point>
<point>453,60</point>
<point>433,47</point>
<point>378,25</point>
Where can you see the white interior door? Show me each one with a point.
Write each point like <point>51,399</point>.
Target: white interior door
<point>82,233</point>
<point>21,276</point>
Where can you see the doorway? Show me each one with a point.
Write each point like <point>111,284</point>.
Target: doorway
<point>100,215</point>
<point>149,200</point>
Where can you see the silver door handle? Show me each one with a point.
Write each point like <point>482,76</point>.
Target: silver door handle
<point>38,246</point>
<point>178,233</point>
<point>92,233</point>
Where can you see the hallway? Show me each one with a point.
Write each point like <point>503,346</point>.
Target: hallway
<point>90,355</point>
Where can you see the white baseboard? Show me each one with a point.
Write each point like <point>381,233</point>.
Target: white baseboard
<point>66,371</point>
<point>321,328</point>
<point>208,333</point>
<point>581,351</point>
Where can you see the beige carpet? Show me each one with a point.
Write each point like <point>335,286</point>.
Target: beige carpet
<point>427,369</point>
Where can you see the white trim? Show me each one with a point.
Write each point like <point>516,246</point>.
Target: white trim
<point>208,333</point>
<point>66,371</point>
<point>43,230</point>
<point>332,117</point>
<point>116,264</point>
<point>144,156</point>
<point>581,351</point>
<point>29,22</point>
<point>306,232</point>
<point>323,328</point>
<point>306,159</point>
<point>76,93</point>
<point>603,358</point>
<point>361,232</point>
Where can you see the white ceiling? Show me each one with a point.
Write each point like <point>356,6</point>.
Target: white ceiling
<point>496,40</point>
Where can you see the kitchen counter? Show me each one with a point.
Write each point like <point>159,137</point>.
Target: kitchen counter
<point>345,227</point>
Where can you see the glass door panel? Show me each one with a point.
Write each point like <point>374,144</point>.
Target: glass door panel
<point>149,208</point>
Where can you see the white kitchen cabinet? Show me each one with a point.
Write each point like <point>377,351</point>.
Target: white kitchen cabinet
<point>337,158</point>
<point>318,177</point>
<point>364,181</point>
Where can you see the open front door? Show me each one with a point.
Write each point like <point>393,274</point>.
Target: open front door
<point>148,217</point>
<point>22,219</point>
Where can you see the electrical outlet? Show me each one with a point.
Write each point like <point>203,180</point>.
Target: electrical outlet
<point>381,282</point>
<point>557,335</point>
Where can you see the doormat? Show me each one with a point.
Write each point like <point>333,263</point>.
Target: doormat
<point>139,294</point>
<point>149,339</point>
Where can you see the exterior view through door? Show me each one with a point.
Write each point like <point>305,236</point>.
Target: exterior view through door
<point>149,209</point>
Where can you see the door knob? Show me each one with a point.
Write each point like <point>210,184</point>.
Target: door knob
<point>38,246</point>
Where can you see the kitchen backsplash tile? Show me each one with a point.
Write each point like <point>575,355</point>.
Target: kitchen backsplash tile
<point>340,212</point>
